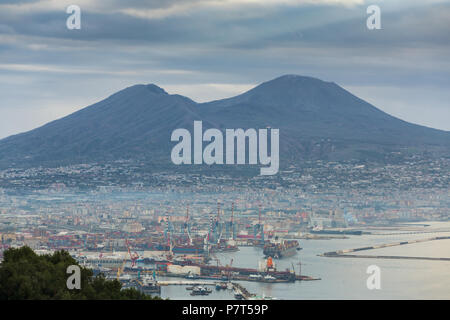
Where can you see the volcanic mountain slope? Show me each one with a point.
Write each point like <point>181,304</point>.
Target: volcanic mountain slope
<point>130,123</point>
<point>317,120</point>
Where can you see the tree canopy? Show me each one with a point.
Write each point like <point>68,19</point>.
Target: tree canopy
<point>24,275</point>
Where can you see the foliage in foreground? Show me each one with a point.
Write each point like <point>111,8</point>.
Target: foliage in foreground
<point>24,275</point>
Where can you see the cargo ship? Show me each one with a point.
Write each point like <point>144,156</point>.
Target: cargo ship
<point>281,248</point>
<point>200,291</point>
<point>224,245</point>
<point>188,249</point>
<point>177,249</point>
<point>96,262</point>
<point>149,285</point>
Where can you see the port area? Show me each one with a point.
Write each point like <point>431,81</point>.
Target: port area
<point>240,292</point>
<point>347,252</point>
<point>222,277</point>
<point>276,277</point>
<point>185,283</point>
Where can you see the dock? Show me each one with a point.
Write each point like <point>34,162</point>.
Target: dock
<point>185,283</point>
<point>238,289</point>
<point>306,278</point>
<point>345,253</point>
<point>241,291</point>
<point>389,257</point>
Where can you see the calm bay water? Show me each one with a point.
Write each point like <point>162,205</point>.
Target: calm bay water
<point>345,278</point>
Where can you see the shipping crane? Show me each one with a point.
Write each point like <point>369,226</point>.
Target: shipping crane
<point>120,269</point>
<point>232,213</point>
<point>229,270</point>
<point>133,256</point>
<point>229,226</point>
<point>259,214</point>
<point>219,229</point>
<point>259,228</point>
<point>186,225</point>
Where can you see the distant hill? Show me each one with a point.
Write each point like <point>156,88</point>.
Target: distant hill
<point>317,120</point>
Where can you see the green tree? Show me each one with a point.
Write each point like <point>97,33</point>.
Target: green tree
<point>24,275</point>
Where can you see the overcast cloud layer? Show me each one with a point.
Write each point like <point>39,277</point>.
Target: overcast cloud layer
<point>212,49</point>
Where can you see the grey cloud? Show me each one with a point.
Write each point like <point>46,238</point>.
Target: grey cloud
<point>220,46</point>
<point>273,27</point>
<point>17,1</point>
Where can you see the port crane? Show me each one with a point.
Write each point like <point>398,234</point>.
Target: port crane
<point>259,228</point>
<point>232,222</point>
<point>167,234</point>
<point>217,261</point>
<point>169,230</point>
<point>120,269</point>
<point>186,225</point>
<point>211,236</point>
<point>218,226</point>
<point>229,226</point>
<point>229,269</point>
<point>133,256</point>
<point>215,228</point>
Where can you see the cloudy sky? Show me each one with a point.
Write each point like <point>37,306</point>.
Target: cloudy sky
<point>212,49</point>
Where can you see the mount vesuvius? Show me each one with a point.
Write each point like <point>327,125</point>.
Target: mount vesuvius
<point>317,120</point>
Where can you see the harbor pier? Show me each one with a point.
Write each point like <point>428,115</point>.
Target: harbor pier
<point>346,253</point>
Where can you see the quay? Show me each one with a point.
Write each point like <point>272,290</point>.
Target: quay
<point>389,257</point>
<point>184,283</point>
<point>218,277</point>
<point>306,278</point>
<point>345,253</point>
<point>241,293</point>
<point>409,232</point>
